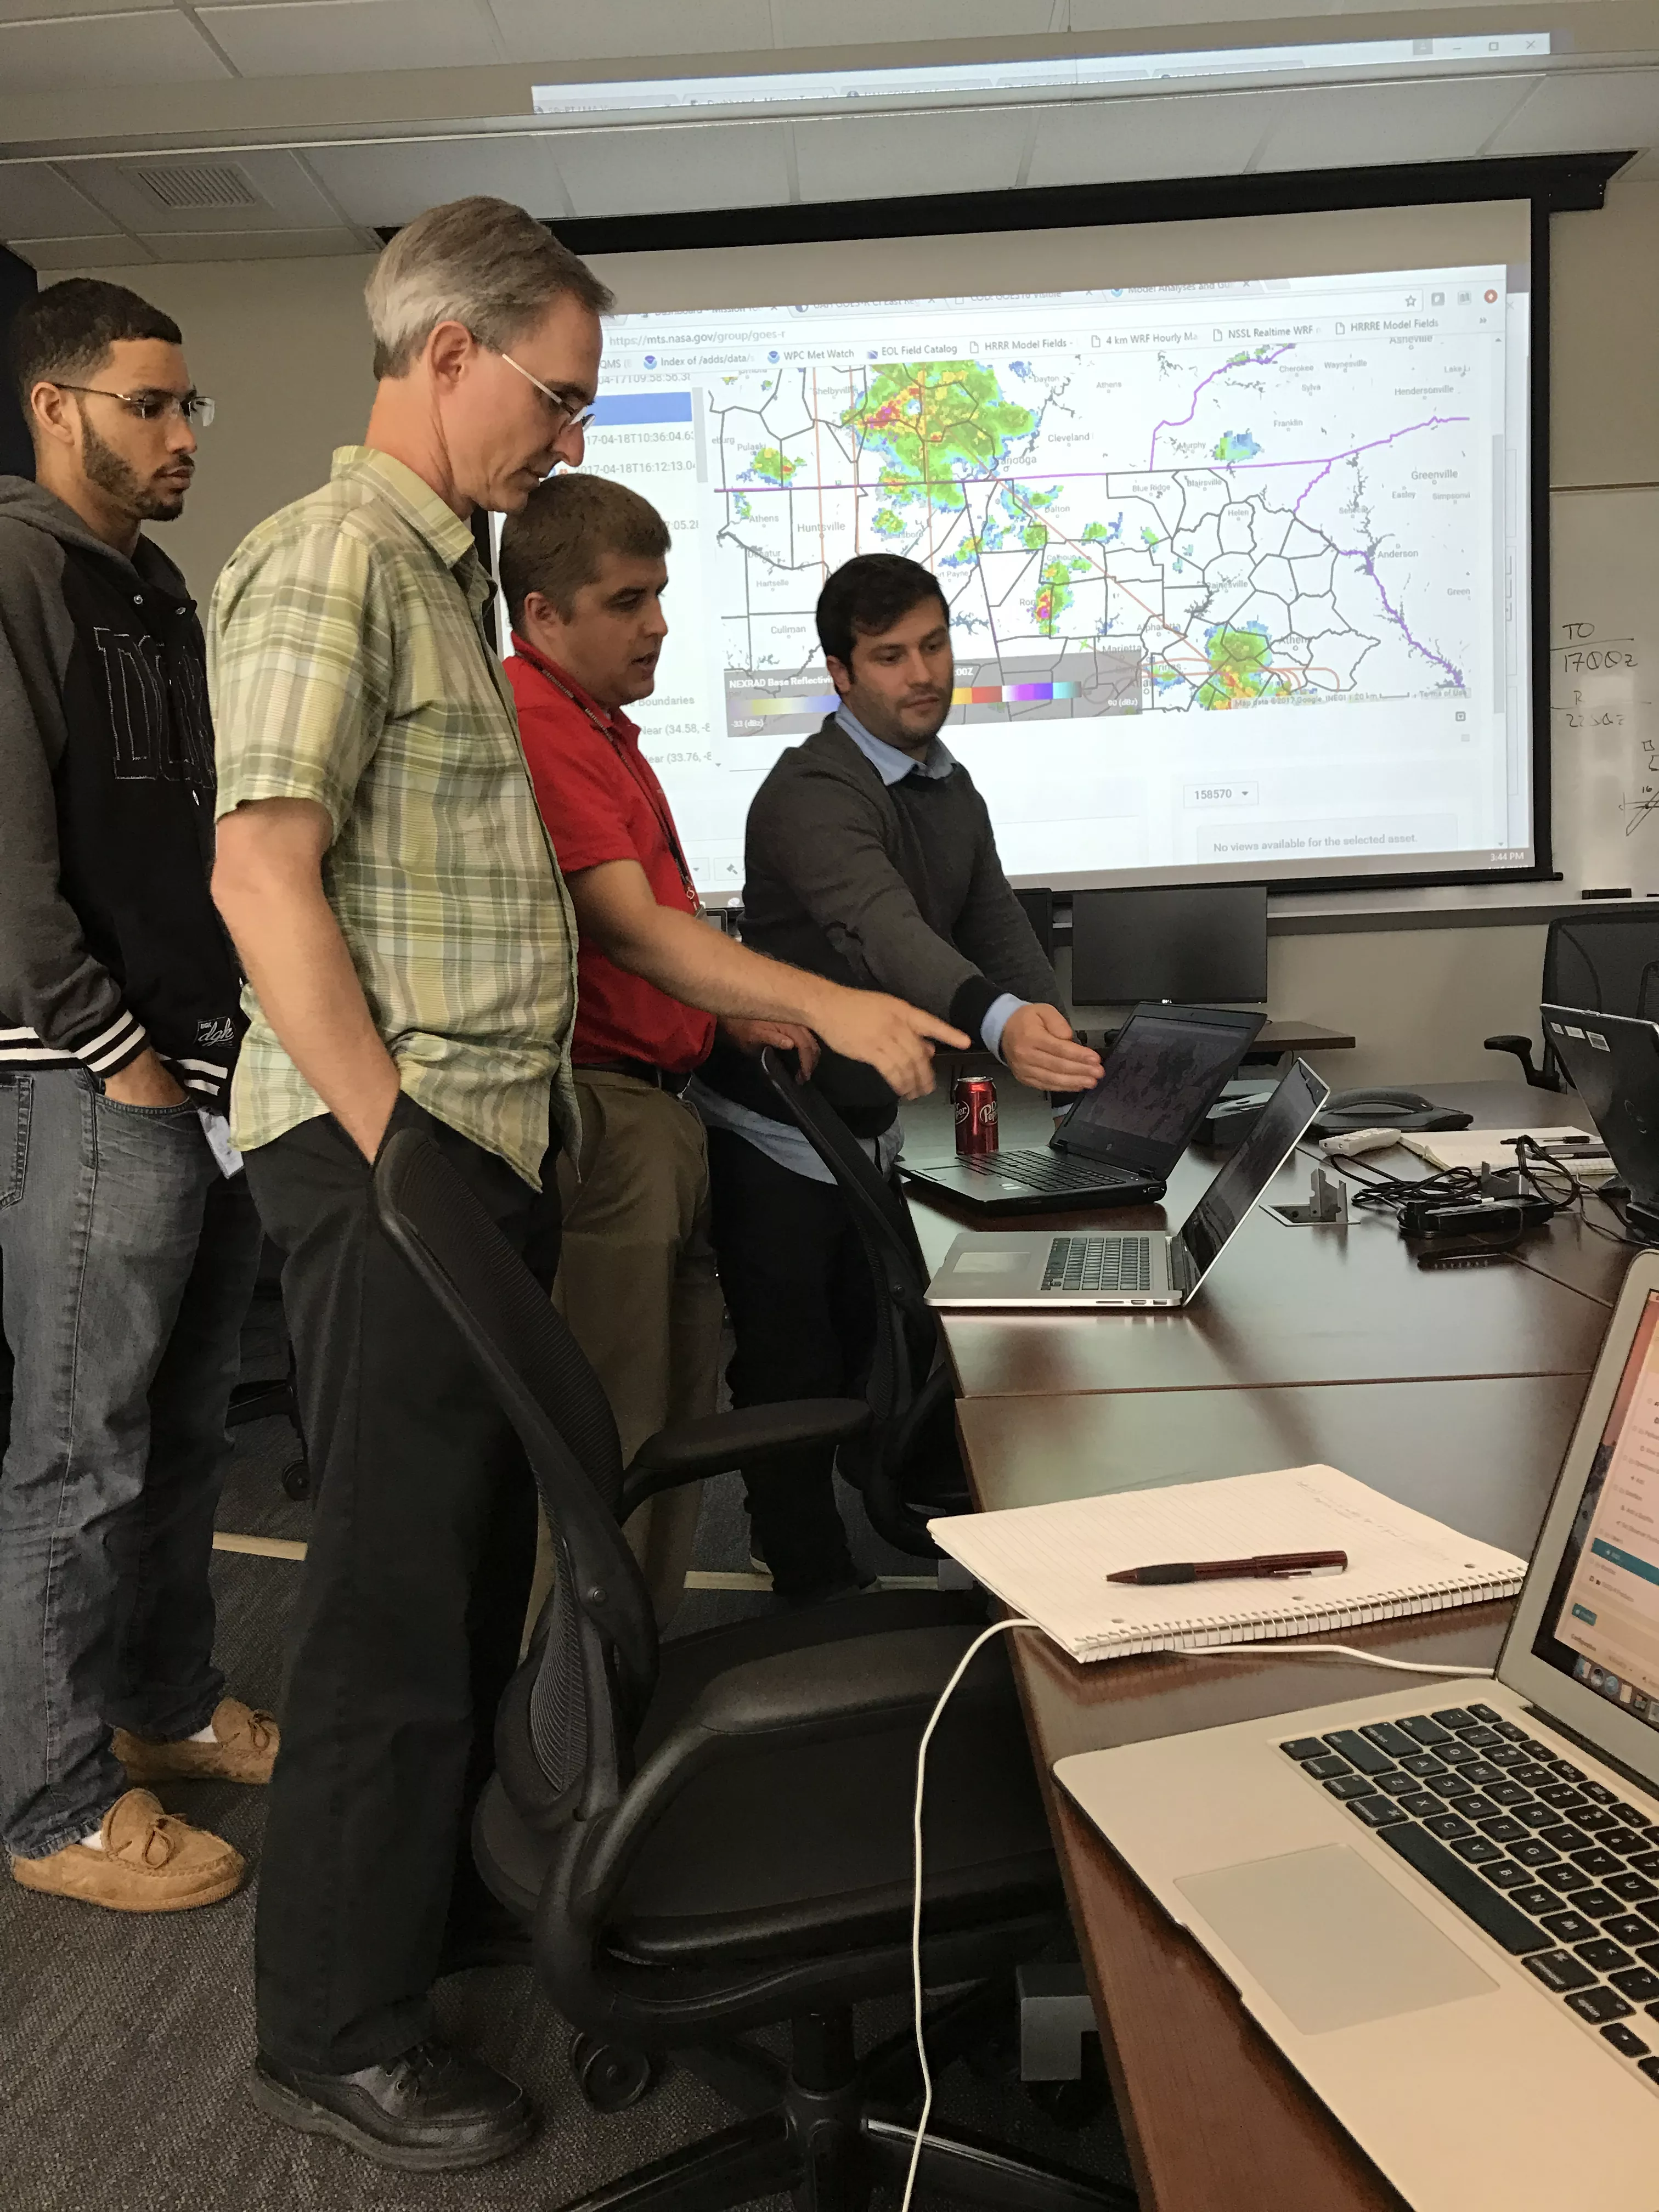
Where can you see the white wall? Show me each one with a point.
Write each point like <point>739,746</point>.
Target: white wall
<point>283,347</point>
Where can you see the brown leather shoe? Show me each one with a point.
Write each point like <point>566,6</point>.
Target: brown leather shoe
<point>245,1750</point>
<point>150,1862</point>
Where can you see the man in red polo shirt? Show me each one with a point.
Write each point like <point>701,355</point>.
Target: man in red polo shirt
<point>584,565</point>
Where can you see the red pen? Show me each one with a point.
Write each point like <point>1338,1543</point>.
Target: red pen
<point>1265,1567</point>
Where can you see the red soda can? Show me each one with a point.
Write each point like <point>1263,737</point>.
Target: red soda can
<point>974,1100</point>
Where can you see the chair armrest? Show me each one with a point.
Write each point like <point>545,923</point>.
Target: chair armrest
<point>1521,1047</point>
<point>815,1694</point>
<point>691,1450</point>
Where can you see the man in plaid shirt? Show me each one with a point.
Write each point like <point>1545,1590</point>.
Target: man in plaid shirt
<point>412,961</point>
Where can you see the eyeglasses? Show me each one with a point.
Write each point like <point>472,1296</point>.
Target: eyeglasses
<point>574,418</point>
<point>190,407</point>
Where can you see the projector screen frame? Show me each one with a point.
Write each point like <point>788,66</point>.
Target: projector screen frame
<point>1549,184</point>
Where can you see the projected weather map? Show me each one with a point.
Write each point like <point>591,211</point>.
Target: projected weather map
<point>1236,573</point>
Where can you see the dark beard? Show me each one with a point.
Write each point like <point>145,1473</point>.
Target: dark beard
<point>120,480</point>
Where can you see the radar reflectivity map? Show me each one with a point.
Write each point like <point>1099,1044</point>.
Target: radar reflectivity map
<point>1236,573</point>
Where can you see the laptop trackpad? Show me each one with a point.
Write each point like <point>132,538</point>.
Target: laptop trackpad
<point>1331,1940</point>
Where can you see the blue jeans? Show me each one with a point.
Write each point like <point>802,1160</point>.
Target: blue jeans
<point>128,1264</point>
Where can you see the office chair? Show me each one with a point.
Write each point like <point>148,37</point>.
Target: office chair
<point>714,1836</point>
<point>1607,963</point>
<point>909,1467</point>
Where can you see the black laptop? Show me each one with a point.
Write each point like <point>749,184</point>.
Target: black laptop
<point>1613,1062</point>
<point>1119,1141</point>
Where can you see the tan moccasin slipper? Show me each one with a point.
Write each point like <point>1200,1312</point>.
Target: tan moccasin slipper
<point>150,1862</point>
<point>244,1750</point>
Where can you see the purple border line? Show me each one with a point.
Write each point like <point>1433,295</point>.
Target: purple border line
<point>1179,422</point>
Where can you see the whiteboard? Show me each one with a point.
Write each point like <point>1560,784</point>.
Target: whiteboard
<point>1604,658</point>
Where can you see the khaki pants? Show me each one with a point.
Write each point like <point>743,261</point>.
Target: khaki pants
<point>637,1285</point>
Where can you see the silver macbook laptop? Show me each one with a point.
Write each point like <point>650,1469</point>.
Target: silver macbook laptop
<point>1116,1267</point>
<point>1440,1901</point>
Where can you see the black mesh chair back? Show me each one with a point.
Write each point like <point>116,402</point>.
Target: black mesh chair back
<point>914,1470</point>
<point>1607,963</point>
<point>592,1662</point>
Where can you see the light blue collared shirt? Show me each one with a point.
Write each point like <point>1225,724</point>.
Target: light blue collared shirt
<point>892,766</point>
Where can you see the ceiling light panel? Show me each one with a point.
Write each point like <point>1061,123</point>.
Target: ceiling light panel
<point>988,84</point>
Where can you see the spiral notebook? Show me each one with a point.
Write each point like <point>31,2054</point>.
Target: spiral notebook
<point>1050,1562</point>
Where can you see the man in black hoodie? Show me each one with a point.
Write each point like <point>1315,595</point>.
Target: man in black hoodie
<point>128,1240</point>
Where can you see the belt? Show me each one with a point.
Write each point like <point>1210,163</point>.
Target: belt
<point>671,1079</point>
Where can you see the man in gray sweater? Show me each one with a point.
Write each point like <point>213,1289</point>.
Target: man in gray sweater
<point>869,857</point>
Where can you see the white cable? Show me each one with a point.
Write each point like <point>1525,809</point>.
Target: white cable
<point>1331,1651</point>
<point>1001,1628</point>
<point>997,1628</point>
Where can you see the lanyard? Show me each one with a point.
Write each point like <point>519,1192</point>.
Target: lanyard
<point>664,819</point>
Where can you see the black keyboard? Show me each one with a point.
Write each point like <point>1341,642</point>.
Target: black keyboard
<point>1046,1170</point>
<point>1099,1263</point>
<point>1554,1867</point>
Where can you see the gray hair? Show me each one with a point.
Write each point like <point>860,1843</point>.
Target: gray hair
<point>479,261</point>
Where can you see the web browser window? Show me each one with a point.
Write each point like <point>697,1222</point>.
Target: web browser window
<point>1601,1624</point>
<point>1231,522</point>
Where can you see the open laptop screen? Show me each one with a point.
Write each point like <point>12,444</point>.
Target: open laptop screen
<point>1161,1076</point>
<point>1273,1137</point>
<point>1601,1621</point>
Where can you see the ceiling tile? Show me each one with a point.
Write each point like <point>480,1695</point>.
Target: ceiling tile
<point>55,253</point>
<point>255,245</point>
<point>1169,135</point>
<point>649,172</point>
<point>318,38</point>
<point>857,157</point>
<point>1585,112</point>
<point>1357,126</point>
<point>33,11</point>
<point>855,23</point>
<point>286,197</point>
<point>36,203</point>
<point>158,48</point>
<point>634,31</point>
<point>376,184</point>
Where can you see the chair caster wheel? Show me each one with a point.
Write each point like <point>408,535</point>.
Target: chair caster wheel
<point>609,2078</point>
<point>296,1480</point>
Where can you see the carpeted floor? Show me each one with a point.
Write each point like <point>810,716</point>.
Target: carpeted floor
<point>125,2043</point>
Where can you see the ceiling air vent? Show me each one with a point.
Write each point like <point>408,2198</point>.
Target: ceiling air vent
<point>196,184</point>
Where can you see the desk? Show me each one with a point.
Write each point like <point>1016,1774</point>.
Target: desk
<point>1305,1345</point>
<point>1340,1304</point>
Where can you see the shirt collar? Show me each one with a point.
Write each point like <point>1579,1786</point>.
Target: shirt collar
<point>892,765</point>
<point>450,539</point>
<point>612,717</point>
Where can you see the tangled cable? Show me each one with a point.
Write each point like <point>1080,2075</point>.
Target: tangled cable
<point>1537,1174</point>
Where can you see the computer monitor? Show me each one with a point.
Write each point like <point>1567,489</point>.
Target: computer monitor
<point>1198,944</point>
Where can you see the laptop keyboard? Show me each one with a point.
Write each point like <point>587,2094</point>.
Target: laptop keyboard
<point>1046,1170</point>
<point>1099,1263</point>
<point>1554,1867</point>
